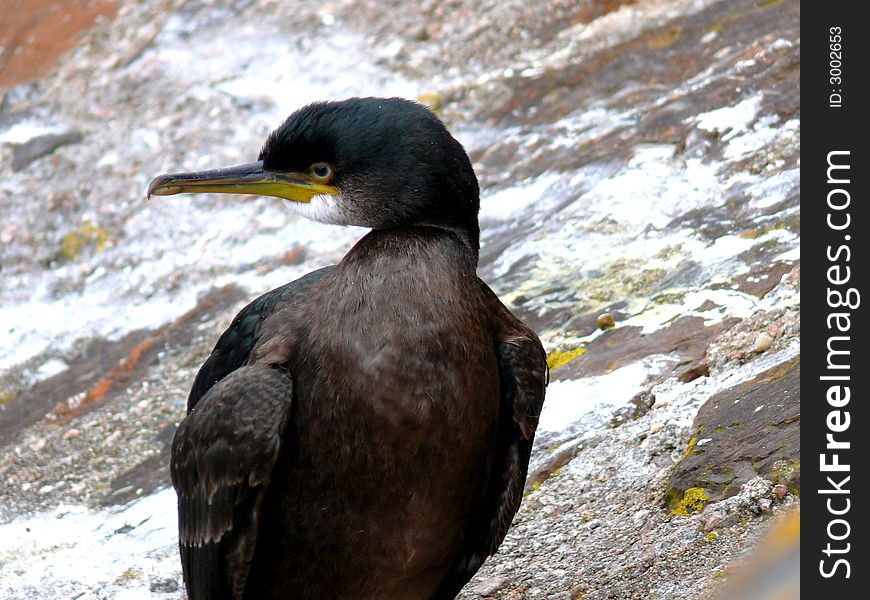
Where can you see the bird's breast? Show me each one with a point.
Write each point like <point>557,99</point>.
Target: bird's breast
<point>402,347</point>
<point>394,418</point>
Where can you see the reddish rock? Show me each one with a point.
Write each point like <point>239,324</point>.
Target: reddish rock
<point>34,34</point>
<point>104,368</point>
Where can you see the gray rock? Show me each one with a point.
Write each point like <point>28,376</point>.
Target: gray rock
<point>163,585</point>
<point>37,147</point>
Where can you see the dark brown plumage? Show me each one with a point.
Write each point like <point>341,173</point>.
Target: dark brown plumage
<point>363,431</point>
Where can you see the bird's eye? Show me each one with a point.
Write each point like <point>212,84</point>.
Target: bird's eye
<point>321,171</point>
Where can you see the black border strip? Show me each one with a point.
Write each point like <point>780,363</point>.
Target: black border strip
<point>834,174</point>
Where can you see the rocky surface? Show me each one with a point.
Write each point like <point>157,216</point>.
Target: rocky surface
<point>747,430</point>
<point>637,159</point>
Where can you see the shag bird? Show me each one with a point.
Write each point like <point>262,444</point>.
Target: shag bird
<point>364,431</point>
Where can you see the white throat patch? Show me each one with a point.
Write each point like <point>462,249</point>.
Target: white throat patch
<point>323,208</point>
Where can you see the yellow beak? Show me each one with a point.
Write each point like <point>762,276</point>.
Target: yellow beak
<point>250,178</point>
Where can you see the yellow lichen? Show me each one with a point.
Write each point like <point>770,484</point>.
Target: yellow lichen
<point>788,473</point>
<point>130,575</point>
<point>85,235</point>
<point>431,99</point>
<point>693,501</point>
<point>664,38</point>
<point>690,447</point>
<point>557,358</point>
<point>712,536</point>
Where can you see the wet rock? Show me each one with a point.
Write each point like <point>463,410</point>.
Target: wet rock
<point>34,148</point>
<point>685,338</point>
<point>752,429</point>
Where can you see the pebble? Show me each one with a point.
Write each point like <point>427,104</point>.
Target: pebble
<point>605,321</point>
<point>72,434</point>
<point>419,33</point>
<point>710,519</point>
<point>762,342</point>
<point>659,404</point>
<point>141,407</point>
<point>764,504</point>
<point>38,445</point>
<point>780,491</point>
<point>112,439</point>
<point>491,585</point>
<point>163,585</point>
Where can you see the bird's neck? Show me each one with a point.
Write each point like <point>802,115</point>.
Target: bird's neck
<point>468,235</point>
<point>400,244</point>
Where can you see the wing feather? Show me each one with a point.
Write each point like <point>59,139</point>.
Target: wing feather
<point>222,459</point>
<point>522,366</point>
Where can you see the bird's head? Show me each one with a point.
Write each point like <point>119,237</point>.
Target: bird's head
<point>371,162</point>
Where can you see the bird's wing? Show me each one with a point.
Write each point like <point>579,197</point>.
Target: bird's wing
<point>523,375</point>
<point>222,459</point>
<point>235,344</point>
